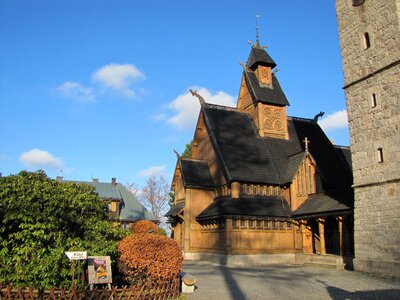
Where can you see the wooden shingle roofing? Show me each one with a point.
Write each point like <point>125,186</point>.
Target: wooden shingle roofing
<point>247,157</point>
<point>196,173</point>
<point>265,94</point>
<point>256,206</point>
<point>259,56</point>
<point>319,204</point>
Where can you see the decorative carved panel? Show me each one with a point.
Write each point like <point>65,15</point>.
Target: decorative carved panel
<point>273,120</point>
<point>265,75</point>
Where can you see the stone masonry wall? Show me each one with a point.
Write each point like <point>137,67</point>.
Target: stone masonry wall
<point>369,73</point>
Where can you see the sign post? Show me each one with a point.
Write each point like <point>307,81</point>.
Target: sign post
<point>76,255</point>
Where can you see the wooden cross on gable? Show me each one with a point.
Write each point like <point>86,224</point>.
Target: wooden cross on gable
<point>306,142</point>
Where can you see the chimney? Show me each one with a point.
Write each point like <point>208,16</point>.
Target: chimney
<point>114,181</point>
<point>95,179</point>
<point>59,178</point>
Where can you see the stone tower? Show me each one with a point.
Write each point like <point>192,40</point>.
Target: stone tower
<point>369,33</point>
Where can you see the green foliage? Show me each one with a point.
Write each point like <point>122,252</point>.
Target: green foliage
<point>161,231</point>
<point>188,149</point>
<point>40,218</point>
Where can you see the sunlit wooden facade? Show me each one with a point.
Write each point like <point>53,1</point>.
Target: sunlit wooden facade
<point>260,182</point>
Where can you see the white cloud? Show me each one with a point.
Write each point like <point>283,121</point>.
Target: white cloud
<point>155,170</point>
<point>158,117</point>
<point>76,91</point>
<point>118,77</point>
<point>187,107</point>
<point>335,120</point>
<point>40,158</point>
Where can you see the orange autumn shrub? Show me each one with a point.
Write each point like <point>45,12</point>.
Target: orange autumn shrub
<point>144,226</point>
<point>150,256</point>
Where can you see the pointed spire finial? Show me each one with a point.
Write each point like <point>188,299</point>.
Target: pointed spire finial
<point>257,35</point>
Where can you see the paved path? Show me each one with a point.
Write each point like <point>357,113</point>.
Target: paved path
<point>286,282</point>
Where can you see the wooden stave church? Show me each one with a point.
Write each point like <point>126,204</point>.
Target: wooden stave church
<point>261,187</point>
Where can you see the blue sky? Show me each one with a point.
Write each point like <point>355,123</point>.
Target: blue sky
<point>99,89</point>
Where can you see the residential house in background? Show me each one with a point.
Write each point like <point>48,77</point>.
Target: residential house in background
<point>121,202</point>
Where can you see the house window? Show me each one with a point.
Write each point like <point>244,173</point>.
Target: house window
<point>380,155</point>
<point>373,100</point>
<point>367,41</point>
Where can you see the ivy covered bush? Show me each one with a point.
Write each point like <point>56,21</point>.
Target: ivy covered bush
<point>40,219</point>
<point>151,256</point>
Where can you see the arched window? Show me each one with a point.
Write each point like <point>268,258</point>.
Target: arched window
<point>358,2</point>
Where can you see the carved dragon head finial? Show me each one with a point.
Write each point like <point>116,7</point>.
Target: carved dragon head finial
<point>196,94</point>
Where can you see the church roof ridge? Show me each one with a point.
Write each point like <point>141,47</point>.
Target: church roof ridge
<point>301,119</point>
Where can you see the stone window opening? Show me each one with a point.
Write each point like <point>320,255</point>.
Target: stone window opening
<point>380,155</point>
<point>373,100</point>
<point>367,41</point>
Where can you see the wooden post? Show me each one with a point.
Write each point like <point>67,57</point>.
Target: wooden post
<point>340,223</point>
<point>321,227</point>
<point>228,236</point>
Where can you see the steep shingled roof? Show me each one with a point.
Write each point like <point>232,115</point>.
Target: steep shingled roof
<point>196,173</point>
<point>257,206</point>
<point>321,203</point>
<point>259,56</point>
<point>265,94</point>
<point>248,157</point>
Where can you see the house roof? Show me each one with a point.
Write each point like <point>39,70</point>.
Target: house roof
<point>272,94</point>
<point>196,174</point>
<point>259,56</point>
<point>321,203</point>
<point>130,210</point>
<point>256,206</point>
<point>247,157</point>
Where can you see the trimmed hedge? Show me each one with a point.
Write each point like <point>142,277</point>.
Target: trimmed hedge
<point>149,256</point>
<point>144,226</point>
